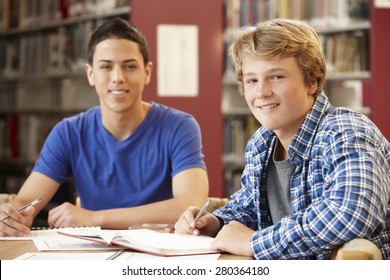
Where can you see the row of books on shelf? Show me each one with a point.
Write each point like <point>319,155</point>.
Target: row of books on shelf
<point>319,13</point>
<point>232,179</point>
<point>16,14</point>
<point>346,51</point>
<point>63,95</point>
<point>23,135</point>
<point>59,51</point>
<point>11,184</point>
<point>237,131</point>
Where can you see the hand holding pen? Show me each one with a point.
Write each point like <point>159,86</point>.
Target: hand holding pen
<point>197,221</point>
<point>10,225</point>
<point>200,213</point>
<point>32,203</point>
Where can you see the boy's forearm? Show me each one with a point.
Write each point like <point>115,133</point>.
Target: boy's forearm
<point>167,212</point>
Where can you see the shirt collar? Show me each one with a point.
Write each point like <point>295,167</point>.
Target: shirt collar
<point>302,142</point>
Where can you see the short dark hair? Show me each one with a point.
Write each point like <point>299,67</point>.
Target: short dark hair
<point>120,29</point>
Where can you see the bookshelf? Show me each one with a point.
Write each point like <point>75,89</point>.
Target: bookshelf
<point>344,29</point>
<point>42,78</point>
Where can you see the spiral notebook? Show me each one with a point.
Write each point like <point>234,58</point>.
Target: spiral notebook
<point>39,232</point>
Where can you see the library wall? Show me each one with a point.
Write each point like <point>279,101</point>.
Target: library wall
<point>207,15</point>
<point>380,59</point>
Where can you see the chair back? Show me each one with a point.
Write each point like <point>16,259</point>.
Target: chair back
<point>216,202</point>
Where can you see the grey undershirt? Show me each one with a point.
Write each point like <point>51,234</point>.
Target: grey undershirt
<point>278,187</point>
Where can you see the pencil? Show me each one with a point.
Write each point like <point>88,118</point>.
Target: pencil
<point>32,203</point>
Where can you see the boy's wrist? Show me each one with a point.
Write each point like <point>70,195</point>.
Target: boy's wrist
<point>221,223</point>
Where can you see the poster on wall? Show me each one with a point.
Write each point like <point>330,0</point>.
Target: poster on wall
<point>177,60</point>
<point>382,4</point>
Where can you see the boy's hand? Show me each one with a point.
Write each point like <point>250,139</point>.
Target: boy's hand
<point>17,224</point>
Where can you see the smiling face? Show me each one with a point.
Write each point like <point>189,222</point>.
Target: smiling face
<point>119,75</point>
<point>276,94</point>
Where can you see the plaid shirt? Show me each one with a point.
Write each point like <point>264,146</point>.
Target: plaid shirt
<point>340,189</point>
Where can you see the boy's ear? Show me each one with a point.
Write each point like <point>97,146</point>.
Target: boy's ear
<point>313,88</point>
<point>148,72</point>
<point>88,70</point>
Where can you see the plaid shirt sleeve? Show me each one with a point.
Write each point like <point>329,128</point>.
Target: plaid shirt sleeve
<point>240,207</point>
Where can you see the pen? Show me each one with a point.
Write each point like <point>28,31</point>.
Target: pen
<point>32,203</point>
<point>202,211</point>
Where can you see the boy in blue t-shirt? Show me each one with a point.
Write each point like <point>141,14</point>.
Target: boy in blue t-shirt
<point>132,162</point>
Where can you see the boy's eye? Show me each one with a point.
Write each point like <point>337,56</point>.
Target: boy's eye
<point>105,66</point>
<point>250,81</point>
<point>277,77</point>
<point>130,66</point>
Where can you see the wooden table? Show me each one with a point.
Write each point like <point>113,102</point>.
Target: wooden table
<point>10,249</point>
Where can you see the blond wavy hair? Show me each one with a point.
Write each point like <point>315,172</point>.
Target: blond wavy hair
<point>282,38</point>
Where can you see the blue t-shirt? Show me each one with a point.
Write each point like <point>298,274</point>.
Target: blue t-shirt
<point>112,174</point>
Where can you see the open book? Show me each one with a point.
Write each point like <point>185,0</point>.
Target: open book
<point>148,241</point>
